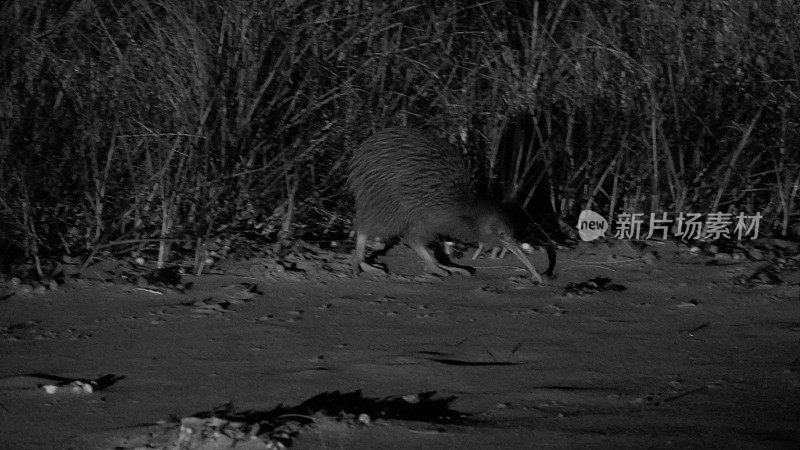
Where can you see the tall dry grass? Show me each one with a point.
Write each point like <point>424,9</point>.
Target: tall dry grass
<point>125,124</point>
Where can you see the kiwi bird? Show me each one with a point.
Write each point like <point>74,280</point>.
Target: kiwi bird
<point>408,184</point>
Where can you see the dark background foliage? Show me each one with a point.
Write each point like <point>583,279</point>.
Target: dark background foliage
<point>142,120</point>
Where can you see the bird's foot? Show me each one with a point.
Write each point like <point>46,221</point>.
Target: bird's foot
<point>444,270</point>
<point>368,268</point>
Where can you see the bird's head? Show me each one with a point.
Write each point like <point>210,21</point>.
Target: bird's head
<point>493,228</point>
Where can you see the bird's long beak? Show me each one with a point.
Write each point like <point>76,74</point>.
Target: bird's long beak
<point>513,246</point>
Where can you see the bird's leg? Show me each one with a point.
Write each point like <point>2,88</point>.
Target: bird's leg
<point>478,251</point>
<point>430,265</point>
<point>358,264</point>
<point>493,254</point>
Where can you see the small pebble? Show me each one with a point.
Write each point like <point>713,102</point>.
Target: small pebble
<point>411,398</point>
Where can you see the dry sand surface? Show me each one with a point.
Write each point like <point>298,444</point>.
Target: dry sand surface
<point>682,357</point>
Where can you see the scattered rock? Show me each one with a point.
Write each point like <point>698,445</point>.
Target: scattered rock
<point>781,271</point>
<point>593,286</point>
<point>276,429</point>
